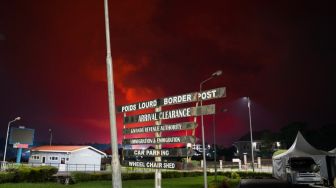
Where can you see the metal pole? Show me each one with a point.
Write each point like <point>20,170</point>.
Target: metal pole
<point>116,172</point>
<point>249,108</point>
<point>217,73</point>
<point>214,141</point>
<point>50,139</point>
<point>5,152</point>
<point>158,176</point>
<point>4,157</point>
<point>203,143</point>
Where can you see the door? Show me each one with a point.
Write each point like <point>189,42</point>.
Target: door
<point>62,166</point>
<point>43,160</point>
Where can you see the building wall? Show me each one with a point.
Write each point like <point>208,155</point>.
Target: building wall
<point>245,147</point>
<point>85,160</point>
<point>48,158</point>
<point>82,160</point>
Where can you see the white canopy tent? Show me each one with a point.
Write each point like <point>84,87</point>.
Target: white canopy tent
<point>332,152</point>
<point>332,163</point>
<point>300,148</point>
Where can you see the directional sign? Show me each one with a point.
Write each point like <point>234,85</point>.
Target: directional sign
<point>160,128</point>
<point>173,152</point>
<point>151,164</point>
<point>160,140</point>
<point>178,99</point>
<point>171,114</point>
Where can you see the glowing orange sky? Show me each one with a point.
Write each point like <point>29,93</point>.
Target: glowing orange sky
<point>52,56</point>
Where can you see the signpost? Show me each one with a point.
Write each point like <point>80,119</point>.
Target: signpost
<point>160,140</point>
<point>173,100</point>
<point>151,164</point>
<point>171,114</point>
<point>176,152</point>
<point>158,164</point>
<point>158,128</point>
<point>21,138</point>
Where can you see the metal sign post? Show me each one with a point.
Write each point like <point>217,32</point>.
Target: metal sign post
<point>158,128</point>
<point>158,175</point>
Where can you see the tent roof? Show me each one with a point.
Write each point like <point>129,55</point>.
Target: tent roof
<point>333,151</point>
<point>301,147</point>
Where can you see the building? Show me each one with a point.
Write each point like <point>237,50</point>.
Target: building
<point>198,147</point>
<point>67,158</point>
<point>260,149</point>
<point>244,147</point>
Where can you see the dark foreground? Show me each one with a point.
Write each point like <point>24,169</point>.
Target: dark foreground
<point>267,183</point>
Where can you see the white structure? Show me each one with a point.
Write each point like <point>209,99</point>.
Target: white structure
<point>67,158</point>
<point>244,147</point>
<point>198,147</point>
<point>300,148</point>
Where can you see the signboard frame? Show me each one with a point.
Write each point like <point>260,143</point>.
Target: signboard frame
<point>160,128</point>
<point>171,114</point>
<point>168,152</point>
<point>160,140</point>
<point>11,141</point>
<point>174,100</point>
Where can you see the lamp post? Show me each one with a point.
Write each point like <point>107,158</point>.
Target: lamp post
<point>9,124</point>
<point>214,143</point>
<point>50,139</point>
<point>217,73</point>
<point>214,140</point>
<point>249,108</point>
<point>116,169</point>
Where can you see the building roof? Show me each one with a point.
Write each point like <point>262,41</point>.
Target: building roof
<point>64,149</point>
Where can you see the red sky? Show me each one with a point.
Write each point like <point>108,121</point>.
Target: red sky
<point>52,62</point>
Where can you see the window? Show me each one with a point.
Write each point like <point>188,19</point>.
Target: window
<point>53,158</point>
<point>35,157</point>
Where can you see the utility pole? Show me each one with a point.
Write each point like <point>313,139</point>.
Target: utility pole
<point>250,121</point>
<point>116,171</point>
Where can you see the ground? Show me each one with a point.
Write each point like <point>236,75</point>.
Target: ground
<point>186,182</point>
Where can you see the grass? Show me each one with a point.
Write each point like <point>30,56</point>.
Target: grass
<point>186,182</point>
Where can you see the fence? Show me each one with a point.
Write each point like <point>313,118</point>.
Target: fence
<point>266,166</point>
<point>60,167</point>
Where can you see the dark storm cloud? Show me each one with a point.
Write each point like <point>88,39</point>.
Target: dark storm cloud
<point>279,53</point>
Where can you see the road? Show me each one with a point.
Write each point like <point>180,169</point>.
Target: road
<point>267,183</point>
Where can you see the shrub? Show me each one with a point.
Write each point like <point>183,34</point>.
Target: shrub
<point>31,174</point>
<point>172,174</point>
<point>235,175</point>
<point>6,177</point>
<point>82,176</point>
<point>132,176</point>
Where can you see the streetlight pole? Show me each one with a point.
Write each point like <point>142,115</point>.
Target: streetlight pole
<point>217,73</point>
<point>50,139</point>
<point>116,171</point>
<point>249,108</point>
<point>9,124</point>
<point>214,141</point>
